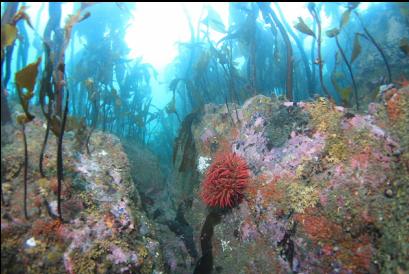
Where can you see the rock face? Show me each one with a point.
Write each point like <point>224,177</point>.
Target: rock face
<point>104,228</point>
<point>328,192</point>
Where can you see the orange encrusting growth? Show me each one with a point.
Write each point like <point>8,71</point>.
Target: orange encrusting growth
<point>319,228</point>
<point>403,82</point>
<point>225,181</point>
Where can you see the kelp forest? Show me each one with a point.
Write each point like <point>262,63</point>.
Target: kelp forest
<point>275,140</point>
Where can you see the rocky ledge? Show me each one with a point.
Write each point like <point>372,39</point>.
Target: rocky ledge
<point>104,229</point>
<point>328,189</point>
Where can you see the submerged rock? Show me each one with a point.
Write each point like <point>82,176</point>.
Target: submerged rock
<point>105,229</point>
<point>318,200</point>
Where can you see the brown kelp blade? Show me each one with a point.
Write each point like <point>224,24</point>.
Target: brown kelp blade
<point>356,49</point>
<point>332,32</point>
<point>345,18</point>
<point>9,30</point>
<point>302,27</point>
<point>345,94</point>
<point>71,21</point>
<point>8,35</point>
<point>26,78</point>
<point>21,14</point>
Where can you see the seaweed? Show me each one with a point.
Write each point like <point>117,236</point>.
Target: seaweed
<point>25,79</point>
<point>343,92</point>
<point>183,229</point>
<point>345,18</point>
<point>52,86</point>
<point>22,50</point>
<point>46,90</point>
<point>270,17</point>
<point>60,166</point>
<point>246,35</point>
<point>185,143</point>
<point>8,28</point>
<point>94,96</point>
<point>373,41</point>
<point>60,73</point>
<point>171,107</point>
<point>9,21</point>
<point>302,27</point>
<point>25,168</point>
<point>298,42</point>
<point>334,33</point>
<point>8,35</point>
<point>356,48</point>
<point>205,262</point>
<point>318,61</point>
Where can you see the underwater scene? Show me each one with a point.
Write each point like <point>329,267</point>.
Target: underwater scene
<point>253,137</point>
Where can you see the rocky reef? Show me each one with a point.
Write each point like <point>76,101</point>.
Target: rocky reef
<point>328,191</point>
<point>104,229</point>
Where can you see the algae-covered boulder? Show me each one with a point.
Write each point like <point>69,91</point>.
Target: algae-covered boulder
<point>328,190</point>
<point>104,229</point>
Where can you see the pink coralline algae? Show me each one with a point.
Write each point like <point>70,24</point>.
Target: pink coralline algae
<point>119,256</point>
<point>321,196</point>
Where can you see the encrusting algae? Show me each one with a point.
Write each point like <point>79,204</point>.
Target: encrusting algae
<point>264,144</point>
